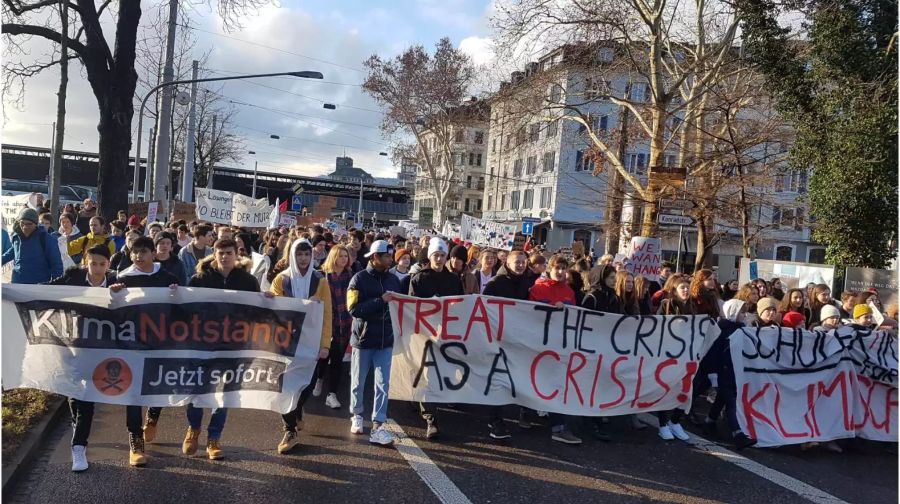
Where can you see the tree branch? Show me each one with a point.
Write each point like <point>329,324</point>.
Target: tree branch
<point>47,33</point>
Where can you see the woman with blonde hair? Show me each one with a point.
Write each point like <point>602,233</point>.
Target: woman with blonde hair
<point>625,292</point>
<point>336,268</point>
<point>705,293</point>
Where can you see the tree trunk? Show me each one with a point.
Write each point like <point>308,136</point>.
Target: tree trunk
<point>115,145</point>
<point>615,193</point>
<point>59,136</point>
<point>704,246</point>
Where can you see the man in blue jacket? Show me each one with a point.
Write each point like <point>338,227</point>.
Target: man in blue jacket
<point>372,337</point>
<point>34,252</point>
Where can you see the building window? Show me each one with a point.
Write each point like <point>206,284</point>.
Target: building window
<point>490,201</point>
<point>517,168</point>
<point>669,160</point>
<point>582,163</point>
<point>596,88</point>
<point>792,181</point>
<point>478,159</point>
<point>606,54</point>
<point>535,132</point>
<point>603,123</point>
<point>480,184</point>
<point>531,165</point>
<point>552,128</point>
<point>514,200</point>
<point>784,252</point>
<point>636,164</point>
<point>521,136</point>
<point>467,205</point>
<point>479,137</point>
<point>546,196</point>
<point>589,119</point>
<point>640,92</point>
<point>494,145</point>
<point>555,93</point>
<point>815,255</point>
<point>528,198</point>
<point>468,182</point>
<point>549,161</point>
<point>460,135</point>
<point>502,202</point>
<point>478,204</point>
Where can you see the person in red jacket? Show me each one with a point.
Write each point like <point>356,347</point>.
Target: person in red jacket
<point>554,290</point>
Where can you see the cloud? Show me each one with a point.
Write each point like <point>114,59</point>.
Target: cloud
<point>480,49</point>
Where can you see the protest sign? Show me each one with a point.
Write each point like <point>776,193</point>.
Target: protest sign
<point>224,207</point>
<point>644,257</point>
<point>796,386</point>
<point>884,281</point>
<point>578,248</point>
<point>792,274</point>
<point>486,350</point>
<point>487,233</point>
<point>398,231</point>
<point>451,230</point>
<point>152,209</point>
<point>155,347</point>
<point>182,210</point>
<point>287,219</point>
<point>11,206</point>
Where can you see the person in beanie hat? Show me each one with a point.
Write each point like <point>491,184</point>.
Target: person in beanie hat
<point>793,320</point>
<point>831,318</point>
<point>35,254</point>
<point>457,262</point>
<point>434,280</point>
<point>862,316</point>
<point>402,263</point>
<point>134,223</point>
<point>766,308</point>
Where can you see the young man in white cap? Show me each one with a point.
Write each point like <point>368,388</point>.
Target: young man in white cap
<point>372,337</point>
<point>434,281</point>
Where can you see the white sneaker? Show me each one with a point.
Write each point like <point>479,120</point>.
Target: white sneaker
<point>332,402</point>
<point>317,391</point>
<point>381,436</point>
<point>356,425</point>
<point>542,414</point>
<point>678,431</point>
<point>79,458</point>
<point>665,432</point>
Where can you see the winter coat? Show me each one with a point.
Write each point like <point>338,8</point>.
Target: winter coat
<point>78,277</point>
<point>546,290</point>
<point>74,235</point>
<point>372,328</point>
<point>36,257</point>
<point>174,266</point>
<point>83,220</point>
<point>430,283</point>
<point>79,246</point>
<point>472,282</point>
<point>209,277</point>
<point>318,290</point>
<point>159,278</point>
<point>189,260</point>
<point>508,285</point>
<point>120,261</point>
<point>669,306</point>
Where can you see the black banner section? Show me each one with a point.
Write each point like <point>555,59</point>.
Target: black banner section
<point>162,326</point>
<point>203,376</point>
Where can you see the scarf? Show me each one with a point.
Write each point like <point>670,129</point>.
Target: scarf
<point>299,283</point>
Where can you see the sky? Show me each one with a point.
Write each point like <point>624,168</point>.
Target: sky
<point>333,37</point>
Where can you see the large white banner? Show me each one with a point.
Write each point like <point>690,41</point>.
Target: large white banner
<point>156,347</point>
<point>10,206</point>
<point>796,386</point>
<point>235,209</point>
<point>487,233</point>
<point>486,350</point>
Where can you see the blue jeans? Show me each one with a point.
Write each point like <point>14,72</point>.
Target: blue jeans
<point>216,420</point>
<point>361,360</point>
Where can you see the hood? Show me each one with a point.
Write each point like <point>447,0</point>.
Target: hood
<point>209,262</point>
<point>133,271</point>
<point>75,231</point>
<point>732,308</point>
<point>299,283</point>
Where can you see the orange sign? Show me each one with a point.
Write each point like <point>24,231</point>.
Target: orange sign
<point>112,377</point>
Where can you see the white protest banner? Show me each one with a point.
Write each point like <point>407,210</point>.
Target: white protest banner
<point>152,209</point>
<point>487,233</point>
<point>644,257</point>
<point>10,206</point>
<point>275,214</point>
<point>156,347</point>
<point>397,231</point>
<point>224,207</point>
<point>486,350</point>
<point>796,386</point>
<point>451,230</point>
<point>288,220</point>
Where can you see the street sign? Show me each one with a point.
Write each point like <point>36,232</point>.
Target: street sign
<point>676,204</point>
<point>527,228</point>
<point>674,220</point>
<point>296,203</point>
<point>533,220</point>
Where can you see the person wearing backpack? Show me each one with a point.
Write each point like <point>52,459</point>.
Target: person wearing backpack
<point>97,236</point>
<point>34,253</point>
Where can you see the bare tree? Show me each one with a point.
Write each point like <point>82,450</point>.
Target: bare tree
<point>109,62</point>
<point>215,142</point>
<point>424,97</point>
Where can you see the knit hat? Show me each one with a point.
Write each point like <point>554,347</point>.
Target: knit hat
<point>28,214</point>
<point>861,310</point>
<point>765,303</point>
<point>134,220</point>
<point>793,319</point>
<point>400,253</point>
<point>436,245</point>
<point>460,253</point>
<point>829,311</point>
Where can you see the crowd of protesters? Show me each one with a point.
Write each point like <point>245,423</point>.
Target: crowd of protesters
<point>354,275</point>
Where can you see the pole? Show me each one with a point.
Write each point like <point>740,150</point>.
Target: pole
<point>360,210</point>
<point>678,259</point>
<point>212,147</point>
<point>59,127</point>
<point>148,176</point>
<point>187,174</point>
<point>52,174</point>
<point>164,118</point>
<point>255,170</point>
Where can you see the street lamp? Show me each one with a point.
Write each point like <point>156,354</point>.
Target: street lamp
<point>305,74</point>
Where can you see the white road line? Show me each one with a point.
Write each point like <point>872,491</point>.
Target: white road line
<point>800,488</point>
<point>431,474</point>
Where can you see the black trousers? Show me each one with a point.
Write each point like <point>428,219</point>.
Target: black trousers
<point>289,420</point>
<point>82,417</point>
<point>673,416</point>
<point>428,411</point>
<point>330,369</point>
<point>134,418</point>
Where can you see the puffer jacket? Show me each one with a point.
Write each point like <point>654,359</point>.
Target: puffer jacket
<point>547,290</point>
<point>208,276</point>
<point>430,283</point>
<point>36,257</point>
<point>372,328</point>
<point>173,265</point>
<point>79,246</point>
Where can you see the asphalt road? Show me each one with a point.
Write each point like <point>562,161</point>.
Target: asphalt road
<point>464,465</point>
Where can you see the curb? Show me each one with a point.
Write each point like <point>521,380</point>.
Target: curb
<point>31,446</point>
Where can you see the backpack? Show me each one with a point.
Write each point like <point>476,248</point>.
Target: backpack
<point>84,244</point>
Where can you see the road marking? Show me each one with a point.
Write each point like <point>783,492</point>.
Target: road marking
<point>800,488</point>
<point>444,489</point>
